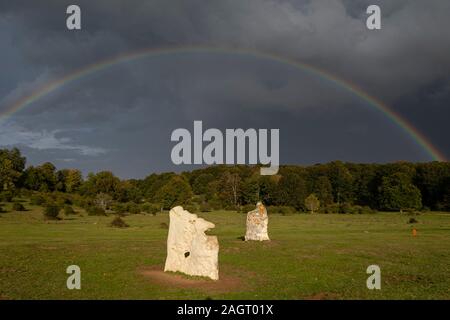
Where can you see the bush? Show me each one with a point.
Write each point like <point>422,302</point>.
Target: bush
<point>205,207</point>
<point>192,208</point>
<point>247,208</point>
<point>411,212</point>
<point>119,223</point>
<point>133,208</point>
<point>63,200</point>
<point>287,210</point>
<point>347,208</point>
<point>332,208</point>
<point>150,208</point>
<point>95,211</point>
<point>68,210</point>
<point>85,203</point>
<point>412,220</point>
<point>59,199</point>
<point>281,210</point>
<point>6,196</point>
<point>366,209</point>
<point>273,209</point>
<point>1,209</point>
<point>37,200</point>
<point>25,193</point>
<point>17,206</point>
<point>145,208</point>
<point>51,211</point>
<point>215,204</point>
<point>119,208</point>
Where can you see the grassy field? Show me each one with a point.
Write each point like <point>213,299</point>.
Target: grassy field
<point>309,257</point>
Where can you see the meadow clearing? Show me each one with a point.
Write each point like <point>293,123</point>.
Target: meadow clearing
<point>321,256</point>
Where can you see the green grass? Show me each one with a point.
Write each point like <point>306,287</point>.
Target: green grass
<point>309,256</point>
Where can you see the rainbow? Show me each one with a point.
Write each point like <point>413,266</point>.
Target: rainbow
<point>396,118</point>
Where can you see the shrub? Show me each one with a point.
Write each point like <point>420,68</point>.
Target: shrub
<point>273,209</point>
<point>51,211</point>
<point>145,208</point>
<point>119,208</point>
<point>412,220</point>
<point>365,209</point>
<point>247,208</point>
<point>17,206</point>
<point>205,207</point>
<point>347,208</point>
<point>332,208</point>
<point>356,209</point>
<point>191,208</point>
<point>1,209</point>
<point>412,212</point>
<point>37,200</point>
<point>77,199</point>
<point>95,211</point>
<point>287,210</point>
<point>60,199</point>
<point>150,208</point>
<point>25,193</point>
<point>68,210</point>
<point>86,203</point>
<point>119,223</point>
<point>133,208</point>
<point>64,200</point>
<point>6,196</point>
<point>281,210</point>
<point>215,204</point>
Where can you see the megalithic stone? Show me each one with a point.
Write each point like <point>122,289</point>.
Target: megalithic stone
<point>257,222</point>
<point>189,249</point>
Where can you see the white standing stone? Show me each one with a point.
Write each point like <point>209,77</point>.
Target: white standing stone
<point>257,221</point>
<point>189,249</point>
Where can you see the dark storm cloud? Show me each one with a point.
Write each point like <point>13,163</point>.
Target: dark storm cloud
<point>121,118</point>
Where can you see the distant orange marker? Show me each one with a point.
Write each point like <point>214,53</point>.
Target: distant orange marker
<point>414,232</point>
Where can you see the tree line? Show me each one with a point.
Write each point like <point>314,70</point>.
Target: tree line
<point>337,186</point>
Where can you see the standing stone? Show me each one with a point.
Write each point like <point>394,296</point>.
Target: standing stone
<point>257,221</point>
<point>189,249</point>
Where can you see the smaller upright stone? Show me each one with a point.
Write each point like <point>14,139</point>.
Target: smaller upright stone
<point>257,221</point>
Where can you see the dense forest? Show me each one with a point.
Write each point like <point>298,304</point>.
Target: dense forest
<point>334,187</point>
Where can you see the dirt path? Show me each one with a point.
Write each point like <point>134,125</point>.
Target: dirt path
<point>226,283</point>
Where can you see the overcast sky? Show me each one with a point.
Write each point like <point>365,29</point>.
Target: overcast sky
<point>121,118</point>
